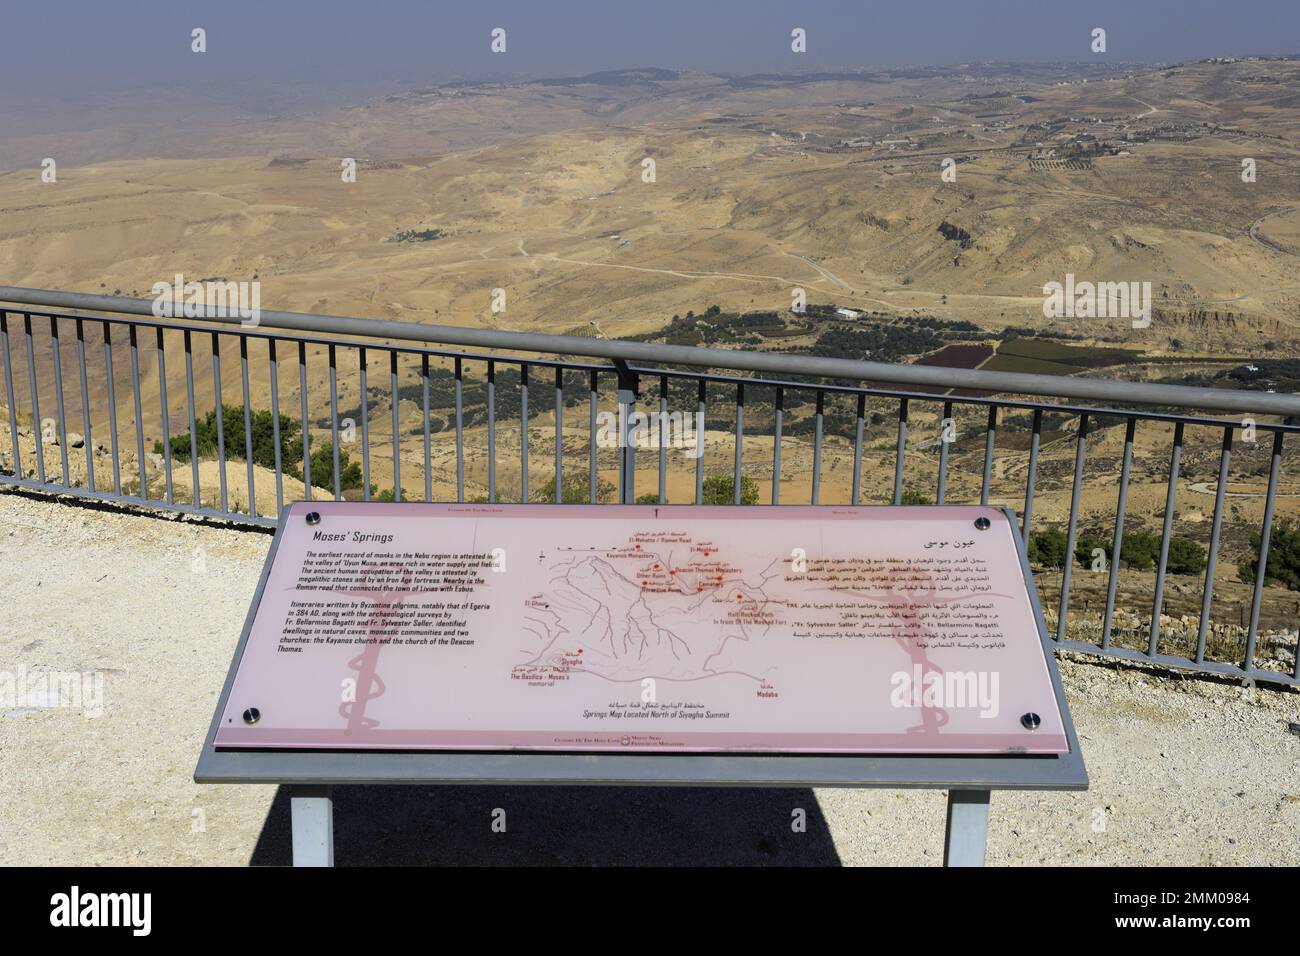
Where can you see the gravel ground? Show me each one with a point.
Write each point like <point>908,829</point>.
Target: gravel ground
<point>1184,771</point>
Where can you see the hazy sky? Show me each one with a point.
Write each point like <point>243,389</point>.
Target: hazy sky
<point>93,45</point>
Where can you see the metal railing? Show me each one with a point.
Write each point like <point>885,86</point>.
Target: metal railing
<point>791,393</point>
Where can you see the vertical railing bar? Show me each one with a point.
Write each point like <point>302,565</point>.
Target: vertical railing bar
<point>1032,476</point>
<point>397,438</point>
<point>700,411</point>
<point>196,495</point>
<point>523,432</point>
<point>623,425</point>
<point>1080,453</point>
<point>460,434</point>
<point>248,425</point>
<point>166,416</point>
<point>1175,459</point>
<point>38,427</point>
<point>85,406</point>
<point>859,426</point>
<point>591,437</point>
<point>334,422</point>
<point>900,452</point>
<point>58,389</point>
<point>663,439</point>
<point>817,449</point>
<point>112,408</point>
<point>9,393</point>
<point>306,423</point>
<point>1212,561</point>
<point>777,424</point>
<point>365,424</point>
<point>989,439</point>
<point>220,413</point>
<point>629,392</point>
<point>428,450</point>
<point>740,441</point>
<point>1265,537</point>
<point>1117,543</point>
<point>492,431</point>
<point>273,367</point>
<point>559,435</point>
<point>141,474</point>
<point>947,421</point>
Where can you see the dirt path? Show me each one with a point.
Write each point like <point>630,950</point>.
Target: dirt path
<point>1269,243</point>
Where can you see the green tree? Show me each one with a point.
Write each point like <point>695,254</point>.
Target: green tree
<point>1283,565</point>
<point>262,428</point>
<point>1047,548</point>
<point>576,490</point>
<point>1086,544</point>
<point>914,496</point>
<point>1140,550</point>
<point>721,490</point>
<point>1186,556</point>
<point>322,468</point>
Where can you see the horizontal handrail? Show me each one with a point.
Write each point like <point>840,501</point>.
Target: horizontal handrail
<point>1142,393</point>
<point>716,378</point>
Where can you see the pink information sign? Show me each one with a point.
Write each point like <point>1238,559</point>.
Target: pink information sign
<point>642,628</point>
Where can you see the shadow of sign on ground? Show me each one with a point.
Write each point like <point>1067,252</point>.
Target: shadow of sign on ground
<point>564,826</point>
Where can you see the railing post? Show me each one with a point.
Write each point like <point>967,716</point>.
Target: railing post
<point>1117,543</point>
<point>1080,452</point>
<point>9,391</point>
<point>627,394</point>
<point>1212,560</point>
<point>1031,476</point>
<point>306,420</point>
<point>523,433</point>
<point>1265,537</point>
<point>701,399</point>
<point>1171,495</point>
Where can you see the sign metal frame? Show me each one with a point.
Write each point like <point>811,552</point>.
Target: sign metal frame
<point>968,778</point>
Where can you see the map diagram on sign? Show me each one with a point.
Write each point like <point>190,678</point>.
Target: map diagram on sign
<point>667,606</point>
<point>803,629</point>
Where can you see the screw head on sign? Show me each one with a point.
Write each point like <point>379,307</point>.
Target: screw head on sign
<point>252,715</point>
<point>1031,721</point>
<point>313,517</point>
<point>982,523</point>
